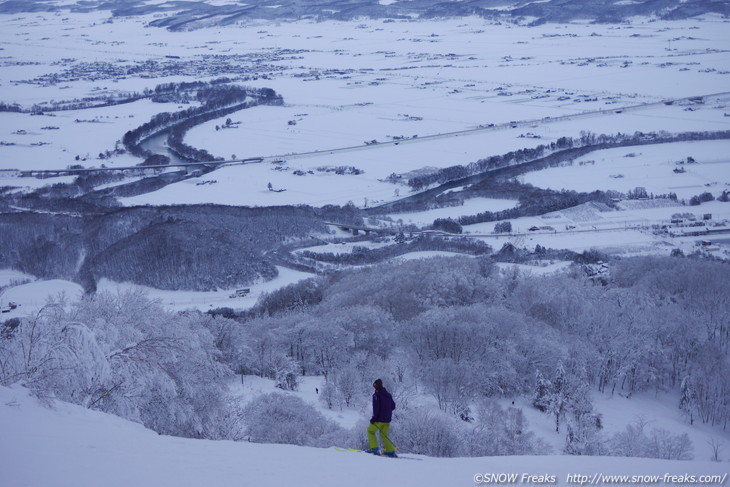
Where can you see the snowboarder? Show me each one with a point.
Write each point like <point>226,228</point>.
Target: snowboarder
<point>383,406</point>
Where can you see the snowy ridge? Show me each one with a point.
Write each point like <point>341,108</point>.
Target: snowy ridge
<point>194,15</point>
<point>75,447</point>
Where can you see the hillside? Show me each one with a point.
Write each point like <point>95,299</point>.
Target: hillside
<point>185,16</point>
<point>71,446</point>
<point>221,220</point>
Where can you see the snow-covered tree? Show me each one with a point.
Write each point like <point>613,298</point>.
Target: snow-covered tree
<point>282,418</point>
<point>427,432</point>
<point>559,397</point>
<point>543,387</point>
<point>637,441</point>
<point>497,431</point>
<point>346,385</point>
<point>584,435</point>
<point>687,398</point>
<point>125,355</point>
<point>285,372</point>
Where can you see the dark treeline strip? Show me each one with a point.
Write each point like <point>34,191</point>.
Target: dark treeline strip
<point>536,201</point>
<point>518,162</point>
<point>486,176</point>
<point>361,255</point>
<point>81,198</point>
<point>142,186</point>
<point>566,148</point>
<point>59,198</point>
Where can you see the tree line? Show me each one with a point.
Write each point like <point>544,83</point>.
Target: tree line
<point>565,148</point>
<point>362,255</point>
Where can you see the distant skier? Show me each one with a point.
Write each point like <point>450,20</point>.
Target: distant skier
<point>383,406</point>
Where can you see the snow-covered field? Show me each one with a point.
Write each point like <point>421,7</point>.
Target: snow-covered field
<point>445,81</point>
<point>342,86</point>
<point>69,446</point>
<point>33,295</point>
<point>390,82</point>
<point>624,231</point>
<point>182,300</point>
<point>83,133</point>
<point>10,277</point>
<point>431,93</point>
<point>471,206</point>
<point>651,167</point>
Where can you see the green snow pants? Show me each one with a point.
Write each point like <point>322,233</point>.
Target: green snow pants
<point>373,441</point>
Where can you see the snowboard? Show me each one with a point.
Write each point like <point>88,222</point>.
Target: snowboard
<point>355,450</point>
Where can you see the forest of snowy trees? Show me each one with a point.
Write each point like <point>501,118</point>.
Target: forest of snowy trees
<point>199,247</point>
<point>456,329</point>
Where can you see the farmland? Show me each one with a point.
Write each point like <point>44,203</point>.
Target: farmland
<point>372,106</point>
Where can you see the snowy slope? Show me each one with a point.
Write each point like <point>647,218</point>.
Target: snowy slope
<point>72,446</point>
<point>33,295</point>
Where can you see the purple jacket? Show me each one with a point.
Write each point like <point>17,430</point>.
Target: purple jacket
<point>383,406</point>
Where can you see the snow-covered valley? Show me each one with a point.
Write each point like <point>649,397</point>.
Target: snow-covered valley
<point>219,222</point>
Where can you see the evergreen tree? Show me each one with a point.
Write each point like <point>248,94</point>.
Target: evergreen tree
<point>447,225</point>
<point>541,397</point>
<point>584,436</point>
<point>503,227</point>
<point>687,398</point>
<point>558,397</point>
